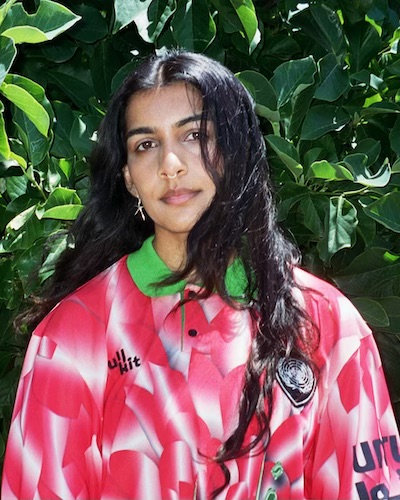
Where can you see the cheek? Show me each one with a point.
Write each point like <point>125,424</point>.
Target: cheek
<point>143,183</point>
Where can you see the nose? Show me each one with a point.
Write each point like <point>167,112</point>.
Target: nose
<point>171,165</point>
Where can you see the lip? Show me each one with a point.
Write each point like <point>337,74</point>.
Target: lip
<point>178,196</point>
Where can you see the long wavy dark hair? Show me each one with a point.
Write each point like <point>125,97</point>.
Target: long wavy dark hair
<point>247,228</point>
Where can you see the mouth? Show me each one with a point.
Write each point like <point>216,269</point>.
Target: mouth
<point>178,196</point>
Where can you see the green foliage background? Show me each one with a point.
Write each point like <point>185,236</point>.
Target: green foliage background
<point>326,80</point>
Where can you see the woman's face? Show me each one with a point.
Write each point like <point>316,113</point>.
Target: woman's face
<point>164,163</point>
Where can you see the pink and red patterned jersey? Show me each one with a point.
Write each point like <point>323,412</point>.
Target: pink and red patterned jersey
<point>125,394</point>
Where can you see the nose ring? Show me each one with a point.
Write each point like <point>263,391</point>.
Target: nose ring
<point>172,176</point>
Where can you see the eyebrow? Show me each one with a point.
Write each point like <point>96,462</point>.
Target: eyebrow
<point>150,130</point>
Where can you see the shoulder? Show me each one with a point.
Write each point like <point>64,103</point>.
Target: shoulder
<point>319,296</point>
<point>73,342</point>
<point>340,326</point>
<point>87,308</point>
<point>103,282</point>
<point>314,284</point>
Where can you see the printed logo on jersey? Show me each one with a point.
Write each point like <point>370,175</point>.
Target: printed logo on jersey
<point>369,456</point>
<point>123,363</point>
<point>297,380</point>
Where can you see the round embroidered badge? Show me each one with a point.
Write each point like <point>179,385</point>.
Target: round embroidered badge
<point>297,380</point>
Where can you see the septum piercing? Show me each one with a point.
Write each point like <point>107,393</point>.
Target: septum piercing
<point>172,176</point>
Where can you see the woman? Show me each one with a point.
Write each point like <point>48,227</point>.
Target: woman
<point>187,355</point>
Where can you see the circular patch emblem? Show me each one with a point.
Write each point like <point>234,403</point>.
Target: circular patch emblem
<point>297,380</point>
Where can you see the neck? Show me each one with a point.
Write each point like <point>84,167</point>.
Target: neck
<point>172,251</point>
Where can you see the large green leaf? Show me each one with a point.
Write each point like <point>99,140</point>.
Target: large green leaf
<point>374,271</point>
<point>78,91</point>
<point>18,153</point>
<point>396,167</point>
<point>83,184</point>
<point>289,194</point>
<point>7,56</point>
<point>60,51</point>
<point>329,171</point>
<point>122,73</point>
<point>322,119</point>
<point>192,25</point>
<point>313,155</point>
<point>262,92</point>
<point>83,134</point>
<point>21,219</point>
<point>104,65</point>
<point>20,204</point>
<point>294,112</point>
<point>364,42</point>
<point>292,77</point>
<point>246,13</point>
<point>62,196</point>
<point>63,203</point>
<point>394,68</point>
<point>313,210</point>
<point>16,186</point>
<point>35,143</point>
<point>369,147</point>
<point>372,311</point>
<point>279,46</point>
<point>385,210</point>
<point>150,16</point>
<point>357,164</point>
<point>34,89</point>
<point>366,228</point>
<point>58,245</point>
<point>50,20</point>
<point>380,108</point>
<point>355,11</point>
<point>63,166</point>
<point>27,264</point>
<point>323,26</point>
<point>334,79</point>
<point>64,119</point>
<point>33,110</point>
<point>22,234</point>
<point>32,231</point>
<point>340,227</point>
<point>63,212</point>
<point>377,282</point>
<point>391,305</point>
<point>92,26</point>
<point>287,153</point>
<point>5,8</point>
<point>228,17</point>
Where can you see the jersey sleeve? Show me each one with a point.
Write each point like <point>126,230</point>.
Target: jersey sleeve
<point>53,448</point>
<point>355,440</point>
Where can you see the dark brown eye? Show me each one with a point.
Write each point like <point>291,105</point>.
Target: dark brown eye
<point>143,146</point>
<point>194,136</point>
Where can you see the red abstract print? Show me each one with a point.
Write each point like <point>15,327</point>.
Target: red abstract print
<point>126,395</point>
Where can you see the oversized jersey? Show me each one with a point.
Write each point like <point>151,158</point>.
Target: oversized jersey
<point>126,393</point>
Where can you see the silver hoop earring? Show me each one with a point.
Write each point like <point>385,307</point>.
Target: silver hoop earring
<point>140,209</point>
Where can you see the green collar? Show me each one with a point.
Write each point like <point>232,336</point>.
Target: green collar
<point>147,269</point>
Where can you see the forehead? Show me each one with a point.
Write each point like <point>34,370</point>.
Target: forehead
<point>167,104</point>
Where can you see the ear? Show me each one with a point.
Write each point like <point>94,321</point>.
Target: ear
<point>130,186</point>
